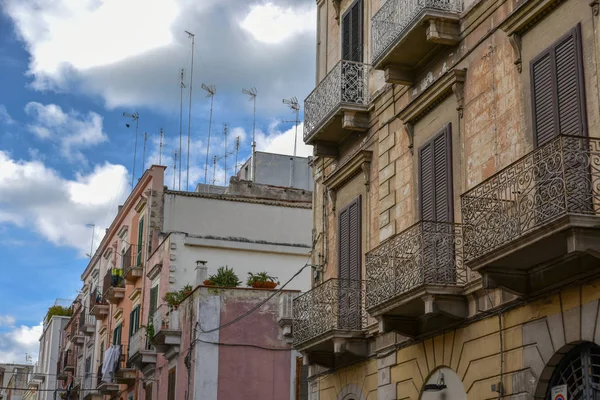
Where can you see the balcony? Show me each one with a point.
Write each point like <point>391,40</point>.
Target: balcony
<point>406,32</point>
<point>75,336</point>
<point>329,323</point>
<point>87,323</point>
<point>38,373</point>
<point>114,286</point>
<point>535,225</point>
<point>125,373</point>
<point>68,364</point>
<point>98,306</point>
<point>337,105</point>
<point>132,270</point>
<point>141,353</point>
<point>105,388</point>
<point>167,334</point>
<point>415,279</point>
<point>60,375</point>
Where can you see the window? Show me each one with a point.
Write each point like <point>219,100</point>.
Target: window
<point>101,351</point>
<point>140,241</point>
<point>435,178</point>
<point>557,89</point>
<point>352,32</point>
<point>134,320</point>
<point>171,385</point>
<point>117,334</point>
<point>148,391</point>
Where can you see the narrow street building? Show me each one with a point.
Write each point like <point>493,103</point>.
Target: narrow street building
<point>456,201</point>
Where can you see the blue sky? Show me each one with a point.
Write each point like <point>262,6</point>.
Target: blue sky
<point>68,71</point>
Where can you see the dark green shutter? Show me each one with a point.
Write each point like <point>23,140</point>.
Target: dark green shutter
<point>140,243</point>
<point>153,301</point>
<point>352,32</point>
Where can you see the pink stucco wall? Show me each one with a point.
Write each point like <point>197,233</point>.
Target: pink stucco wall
<point>263,374</point>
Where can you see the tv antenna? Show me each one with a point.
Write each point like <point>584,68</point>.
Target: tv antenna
<point>134,117</point>
<point>93,226</point>
<point>144,155</point>
<point>174,169</point>
<point>237,150</point>
<point>214,169</point>
<point>160,146</point>
<point>295,107</point>
<point>225,156</point>
<point>187,180</point>
<point>252,94</point>
<point>181,87</point>
<point>210,92</point>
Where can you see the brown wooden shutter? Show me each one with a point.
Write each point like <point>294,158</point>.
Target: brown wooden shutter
<point>352,32</point>
<point>349,241</point>
<point>171,385</point>
<point>435,177</point>
<point>153,301</point>
<point>148,391</point>
<point>557,89</point>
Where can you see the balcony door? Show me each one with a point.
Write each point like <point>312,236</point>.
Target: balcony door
<point>435,262</point>
<point>349,289</point>
<point>558,108</point>
<point>352,74</point>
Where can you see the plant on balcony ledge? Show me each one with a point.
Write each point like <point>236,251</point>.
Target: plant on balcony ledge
<point>59,311</point>
<point>225,277</point>
<point>262,280</point>
<point>173,299</point>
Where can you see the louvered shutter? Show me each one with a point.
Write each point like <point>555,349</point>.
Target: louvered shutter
<point>153,301</point>
<point>344,234</point>
<point>557,89</point>
<point>436,178</point>
<point>354,240</point>
<point>349,290</point>
<point>352,32</point>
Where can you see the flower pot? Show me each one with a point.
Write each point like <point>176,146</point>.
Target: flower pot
<point>208,282</point>
<point>264,285</point>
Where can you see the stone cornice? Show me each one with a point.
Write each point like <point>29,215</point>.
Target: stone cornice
<point>359,162</point>
<point>527,15</point>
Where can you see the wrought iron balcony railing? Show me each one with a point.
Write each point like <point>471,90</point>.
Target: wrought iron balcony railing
<point>113,279</point>
<point>139,342</point>
<point>165,318</point>
<point>346,84</point>
<point>395,16</point>
<point>427,253</point>
<point>127,261</point>
<point>559,178</point>
<point>334,305</point>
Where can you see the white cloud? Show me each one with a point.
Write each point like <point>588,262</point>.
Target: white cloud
<point>111,49</point>
<point>58,209</point>
<point>279,142</point>
<point>18,342</point>
<point>7,320</point>
<point>72,131</point>
<point>5,117</point>
<point>272,24</point>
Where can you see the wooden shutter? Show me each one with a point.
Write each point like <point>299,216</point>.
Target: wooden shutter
<point>558,90</point>
<point>435,177</point>
<point>349,241</point>
<point>140,241</point>
<point>117,334</point>
<point>134,320</point>
<point>171,385</point>
<point>148,391</point>
<point>153,301</point>
<point>352,32</point>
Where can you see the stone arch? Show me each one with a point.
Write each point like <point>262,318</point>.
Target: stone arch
<point>455,389</point>
<point>564,358</point>
<point>351,392</point>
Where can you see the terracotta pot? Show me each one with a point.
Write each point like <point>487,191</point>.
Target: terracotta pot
<point>208,282</point>
<point>264,285</point>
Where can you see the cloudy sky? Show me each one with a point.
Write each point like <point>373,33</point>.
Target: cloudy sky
<point>69,69</point>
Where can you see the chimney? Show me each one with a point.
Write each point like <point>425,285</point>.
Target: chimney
<point>201,272</point>
<point>106,231</point>
<point>120,208</point>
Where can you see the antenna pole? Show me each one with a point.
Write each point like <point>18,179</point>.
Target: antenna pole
<point>182,86</point>
<point>160,147</point>
<point>214,169</point>
<point>237,150</point>
<point>225,156</point>
<point>144,155</point>
<point>136,117</point>
<point>253,161</point>
<point>174,169</point>
<point>187,180</point>
<point>211,90</point>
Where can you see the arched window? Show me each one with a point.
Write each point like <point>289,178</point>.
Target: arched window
<point>580,371</point>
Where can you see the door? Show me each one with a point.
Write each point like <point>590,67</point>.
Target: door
<point>349,283</point>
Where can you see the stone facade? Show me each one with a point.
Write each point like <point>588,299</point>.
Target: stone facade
<point>481,86</point>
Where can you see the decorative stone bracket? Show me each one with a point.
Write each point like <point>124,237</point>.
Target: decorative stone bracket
<point>358,163</point>
<point>336,7</point>
<point>451,82</point>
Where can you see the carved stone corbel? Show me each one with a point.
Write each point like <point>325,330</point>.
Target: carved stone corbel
<point>331,196</point>
<point>366,169</point>
<point>410,132</point>
<point>336,7</point>
<point>515,41</point>
<point>595,4</point>
<point>458,89</point>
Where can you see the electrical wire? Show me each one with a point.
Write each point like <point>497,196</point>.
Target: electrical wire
<point>246,345</point>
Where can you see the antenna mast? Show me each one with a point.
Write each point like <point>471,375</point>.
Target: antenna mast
<point>174,169</point>
<point>295,107</point>
<point>252,93</point>
<point>237,150</point>
<point>214,169</point>
<point>134,117</point>
<point>211,90</point>
<point>144,155</point>
<point>225,156</point>
<point>182,86</point>
<point>187,180</point>
<point>160,147</point>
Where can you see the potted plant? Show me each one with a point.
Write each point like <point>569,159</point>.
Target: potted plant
<point>174,299</point>
<point>225,277</point>
<point>262,280</point>
<point>208,282</point>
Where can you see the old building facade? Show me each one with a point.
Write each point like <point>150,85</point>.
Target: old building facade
<point>456,201</point>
